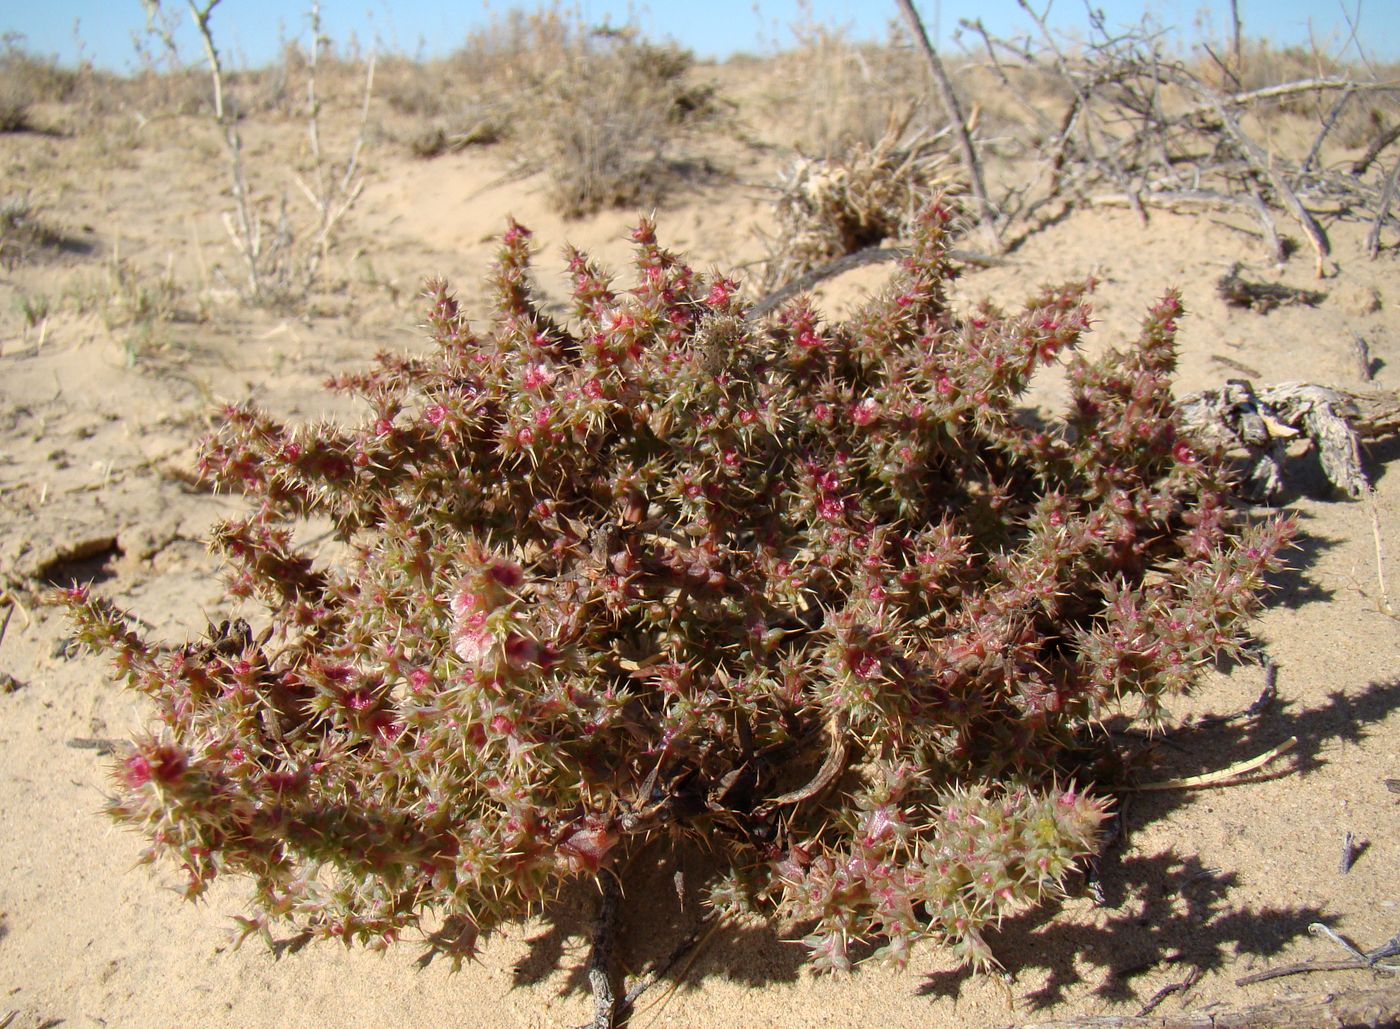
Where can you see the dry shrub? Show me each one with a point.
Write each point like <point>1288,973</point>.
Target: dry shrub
<point>603,125</point>
<point>829,93</point>
<point>599,110</point>
<point>26,79</point>
<point>14,109</point>
<point>828,207</point>
<point>24,232</point>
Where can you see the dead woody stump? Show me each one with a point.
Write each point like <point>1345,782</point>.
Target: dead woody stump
<point>1263,422</point>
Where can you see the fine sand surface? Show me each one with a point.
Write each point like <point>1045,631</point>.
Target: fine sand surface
<point>98,429</point>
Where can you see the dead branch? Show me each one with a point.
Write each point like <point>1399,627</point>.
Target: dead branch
<point>1375,1007</point>
<point>332,196</point>
<point>1263,422</point>
<point>1267,170</point>
<point>954,110</point>
<point>1373,238</point>
<point>1325,129</point>
<point>1374,150</point>
<point>771,301</point>
<point>243,226</point>
<point>1141,123</point>
<point>601,965</point>
<point>1374,959</point>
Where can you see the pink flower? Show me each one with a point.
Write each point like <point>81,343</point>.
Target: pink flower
<point>473,645</point>
<point>163,764</point>
<point>865,412</point>
<point>585,848</point>
<point>506,573</point>
<point>538,374</point>
<point>502,725</point>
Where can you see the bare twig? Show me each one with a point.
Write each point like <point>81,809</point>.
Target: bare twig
<point>1267,170</point>
<point>1351,850</point>
<point>1168,990</point>
<point>1359,959</point>
<point>273,271</point>
<point>1373,238</point>
<point>849,262</point>
<point>1352,1007</point>
<point>1326,127</point>
<point>1373,151</point>
<point>332,197</point>
<point>244,227</point>
<point>1119,126</point>
<point>678,953</point>
<point>960,130</point>
<point>1236,32</point>
<point>1221,777</point>
<point>1383,601</point>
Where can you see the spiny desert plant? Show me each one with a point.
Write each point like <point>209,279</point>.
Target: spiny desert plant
<point>809,596</point>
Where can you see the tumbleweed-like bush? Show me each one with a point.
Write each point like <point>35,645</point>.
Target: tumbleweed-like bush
<point>812,596</point>
<point>860,197</point>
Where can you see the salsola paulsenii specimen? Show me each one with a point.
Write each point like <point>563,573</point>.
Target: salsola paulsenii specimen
<point>815,598</point>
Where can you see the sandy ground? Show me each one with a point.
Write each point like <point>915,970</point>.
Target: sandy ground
<point>99,419</point>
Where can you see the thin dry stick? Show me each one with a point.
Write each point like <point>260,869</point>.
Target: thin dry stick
<point>246,233</point>
<point>1259,160</point>
<point>600,961</point>
<point>331,199</point>
<point>1374,150</point>
<point>1046,125</point>
<point>1374,511</point>
<point>1371,959</point>
<point>1373,238</point>
<point>954,110</point>
<point>1236,34</point>
<point>1353,1007</point>
<point>659,1005</point>
<point>1224,775</point>
<point>1315,85</point>
<point>1168,990</point>
<point>1322,133</point>
<point>1114,71</point>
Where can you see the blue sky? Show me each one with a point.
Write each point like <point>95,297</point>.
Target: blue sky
<point>251,31</point>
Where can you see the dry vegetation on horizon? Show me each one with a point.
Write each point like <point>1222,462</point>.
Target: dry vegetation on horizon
<point>614,121</point>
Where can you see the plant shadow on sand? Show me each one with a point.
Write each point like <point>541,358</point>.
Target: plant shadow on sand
<point>1168,907</point>
<point>1163,908</point>
<point>1157,909</point>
